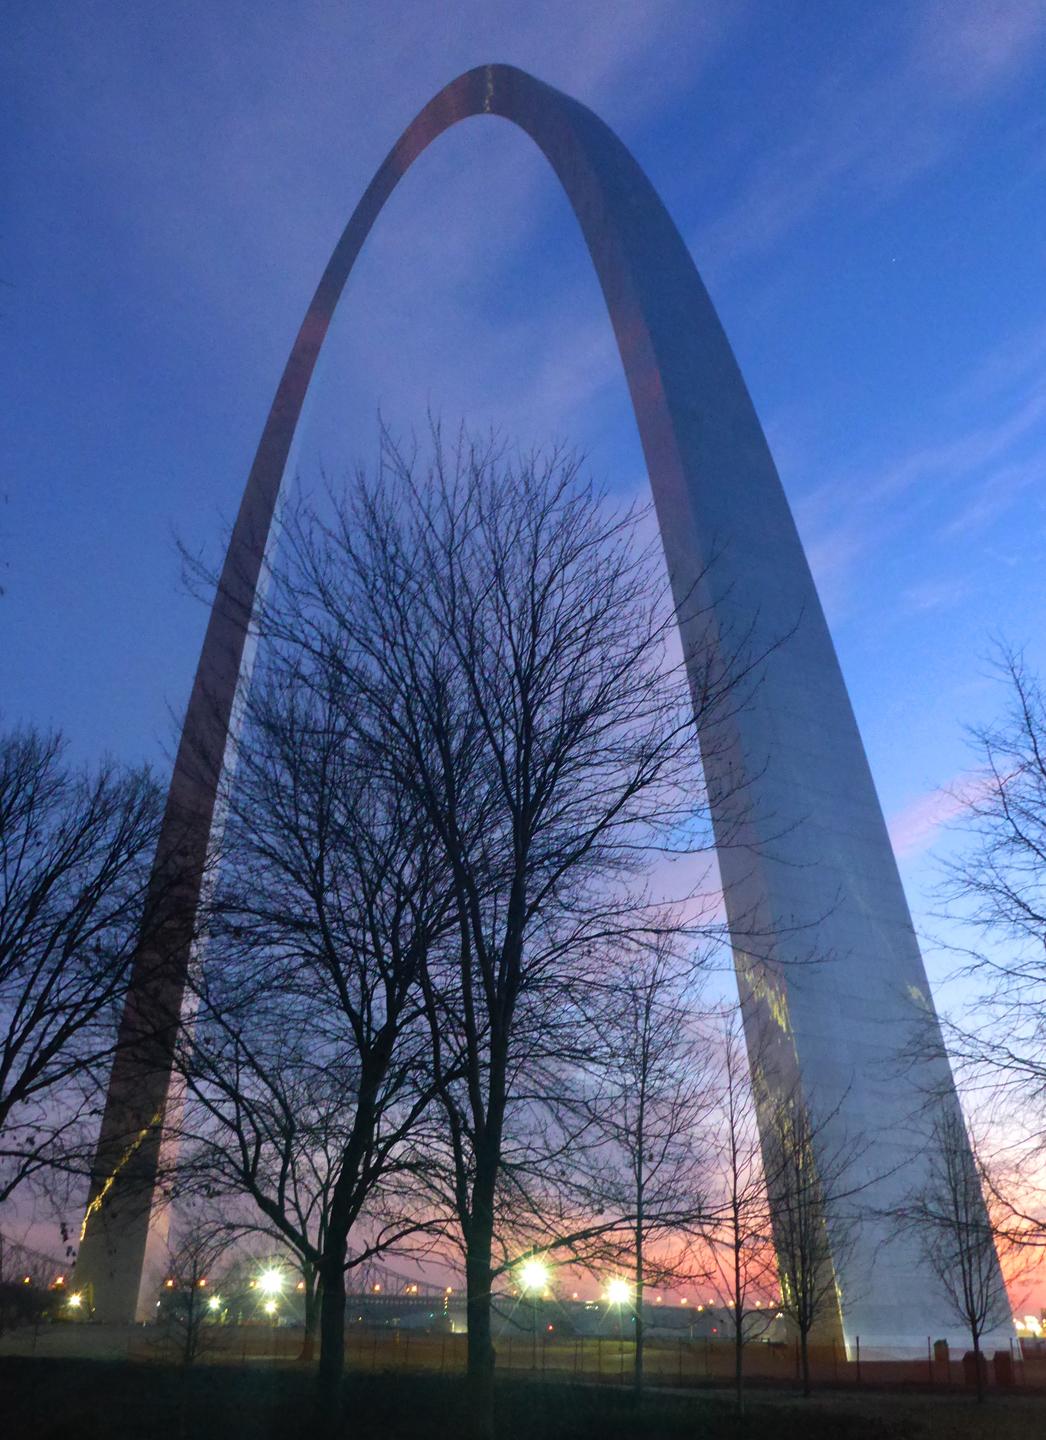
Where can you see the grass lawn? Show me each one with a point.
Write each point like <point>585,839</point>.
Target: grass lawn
<point>96,1400</point>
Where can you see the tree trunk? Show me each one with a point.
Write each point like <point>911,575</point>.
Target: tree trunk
<point>191,1322</point>
<point>804,1354</point>
<point>312,1318</point>
<point>331,1373</point>
<point>480,1370</point>
<point>739,1320</point>
<point>638,1322</point>
<point>480,1365</point>
<point>977,1367</point>
<point>331,1271</point>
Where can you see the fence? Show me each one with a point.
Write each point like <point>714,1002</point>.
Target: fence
<point>602,1360</point>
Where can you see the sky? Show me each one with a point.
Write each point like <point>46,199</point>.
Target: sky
<point>863,188</point>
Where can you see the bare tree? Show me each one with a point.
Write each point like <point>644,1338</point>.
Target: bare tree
<point>996,884</point>
<point>952,1217</point>
<point>306,1064</point>
<point>74,857</point>
<point>194,1257</point>
<point>651,1107</point>
<point>25,1278</point>
<point>510,640</point>
<point>814,1213</point>
<point>738,1231</point>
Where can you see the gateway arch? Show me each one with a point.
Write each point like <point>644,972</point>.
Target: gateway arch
<point>809,867</point>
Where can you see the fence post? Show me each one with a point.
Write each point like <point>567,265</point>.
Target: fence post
<point>929,1358</point>
<point>599,1356</point>
<point>858,1359</point>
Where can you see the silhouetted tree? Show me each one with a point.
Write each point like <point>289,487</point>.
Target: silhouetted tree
<point>996,884</point>
<point>306,1059</point>
<point>509,641</point>
<point>952,1219</point>
<point>814,1212</point>
<point>74,862</point>
<point>738,1230</point>
<point>194,1258</point>
<point>651,1105</point>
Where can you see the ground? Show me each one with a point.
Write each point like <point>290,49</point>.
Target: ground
<point>98,1400</point>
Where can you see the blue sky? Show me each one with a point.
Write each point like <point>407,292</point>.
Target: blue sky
<point>863,187</point>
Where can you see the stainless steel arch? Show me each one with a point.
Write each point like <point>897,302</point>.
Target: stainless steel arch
<point>829,884</point>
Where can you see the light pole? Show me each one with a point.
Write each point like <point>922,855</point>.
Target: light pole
<point>619,1293</point>
<point>533,1279</point>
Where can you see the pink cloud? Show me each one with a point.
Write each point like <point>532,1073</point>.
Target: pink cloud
<point>914,829</point>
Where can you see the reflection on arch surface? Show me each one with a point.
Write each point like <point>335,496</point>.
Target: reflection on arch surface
<point>828,884</point>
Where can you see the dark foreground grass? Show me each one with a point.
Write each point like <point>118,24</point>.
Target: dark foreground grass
<point>97,1400</point>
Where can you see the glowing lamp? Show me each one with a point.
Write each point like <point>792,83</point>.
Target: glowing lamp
<point>270,1282</point>
<point>533,1276</point>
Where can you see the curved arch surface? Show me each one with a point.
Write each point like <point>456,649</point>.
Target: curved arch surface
<point>807,866</point>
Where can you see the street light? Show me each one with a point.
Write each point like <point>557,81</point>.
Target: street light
<point>270,1282</point>
<point>619,1292</point>
<point>533,1277</point>
<point>214,1303</point>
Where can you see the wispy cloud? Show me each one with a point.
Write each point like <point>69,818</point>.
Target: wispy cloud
<point>899,97</point>
<point>928,595</point>
<point>994,494</point>
<point>954,486</point>
<point>915,828</point>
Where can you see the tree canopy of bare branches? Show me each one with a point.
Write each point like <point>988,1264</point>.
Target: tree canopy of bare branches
<point>737,1228</point>
<point>814,1208</point>
<point>651,1107</point>
<point>952,1218</point>
<point>996,885</point>
<point>74,856</point>
<point>306,1059</point>
<point>507,643</point>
